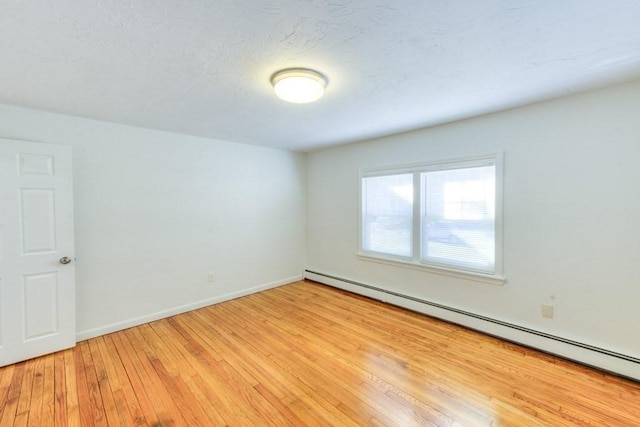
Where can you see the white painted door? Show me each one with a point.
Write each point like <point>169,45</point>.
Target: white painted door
<point>37,290</point>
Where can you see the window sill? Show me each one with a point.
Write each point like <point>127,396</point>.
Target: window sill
<point>461,274</point>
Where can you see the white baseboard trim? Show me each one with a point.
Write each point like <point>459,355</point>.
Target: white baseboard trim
<point>114,327</point>
<point>616,363</point>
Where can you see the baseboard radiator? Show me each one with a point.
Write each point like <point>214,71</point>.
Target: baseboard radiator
<point>600,358</point>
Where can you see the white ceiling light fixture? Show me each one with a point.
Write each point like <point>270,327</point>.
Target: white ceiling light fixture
<point>299,85</point>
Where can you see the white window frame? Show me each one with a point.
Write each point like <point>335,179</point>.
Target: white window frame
<point>415,262</point>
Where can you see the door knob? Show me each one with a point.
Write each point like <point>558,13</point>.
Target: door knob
<point>65,260</point>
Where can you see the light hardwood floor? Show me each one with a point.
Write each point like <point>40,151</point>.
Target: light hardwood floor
<point>306,354</point>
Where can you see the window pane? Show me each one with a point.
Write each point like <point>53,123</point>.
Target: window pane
<point>387,212</point>
<point>458,218</point>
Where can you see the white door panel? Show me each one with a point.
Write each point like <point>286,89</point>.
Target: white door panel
<point>37,292</point>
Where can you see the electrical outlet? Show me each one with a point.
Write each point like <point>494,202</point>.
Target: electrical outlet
<point>211,277</point>
<point>547,311</point>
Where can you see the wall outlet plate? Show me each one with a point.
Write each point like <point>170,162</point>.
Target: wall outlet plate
<point>547,311</point>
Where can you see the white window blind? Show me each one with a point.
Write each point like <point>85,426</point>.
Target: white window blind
<point>458,217</point>
<point>387,214</point>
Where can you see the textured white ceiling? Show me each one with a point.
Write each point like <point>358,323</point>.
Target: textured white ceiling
<point>202,67</point>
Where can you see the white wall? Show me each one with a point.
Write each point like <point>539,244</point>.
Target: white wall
<point>571,207</point>
<point>155,212</point>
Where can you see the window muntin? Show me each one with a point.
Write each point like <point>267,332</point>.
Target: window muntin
<point>442,215</point>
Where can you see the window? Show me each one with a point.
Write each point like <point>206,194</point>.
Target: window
<point>441,215</point>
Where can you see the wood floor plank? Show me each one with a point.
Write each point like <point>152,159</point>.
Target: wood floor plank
<point>242,384</point>
<point>339,389</point>
<point>229,408</point>
<point>281,378</point>
<point>274,345</point>
<point>305,354</point>
<point>59,390</point>
<point>26,391</point>
<point>434,411</point>
<point>116,409</point>
<point>180,381</point>
<point>210,369</point>
<point>165,410</point>
<point>6,376</point>
<point>48,391</point>
<point>210,386</point>
<point>10,404</point>
<point>97,415</point>
<point>71,390</point>
<point>148,402</point>
<point>126,400</point>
